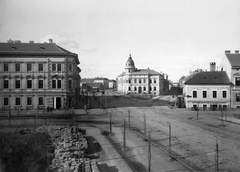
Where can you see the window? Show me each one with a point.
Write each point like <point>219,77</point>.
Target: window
<point>40,83</point>
<point>40,67</point>
<point>135,88</point>
<point>54,84</point>
<point>144,80</point>
<point>238,97</point>
<point>6,101</point>
<point>129,81</point>
<point>29,66</point>
<point>154,81</point>
<point>29,83</point>
<point>5,67</point>
<point>135,81</point>
<point>54,68</point>
<point>150,88</point>
<point>144,88</point>
<point>18,101</point>
<point>29,100</point>
<point>70,67</point>
<point>59,84</point>
<point>204,94</point>
<point>224,94</point>
<point>194,94</point>
<point>214,94</point>
<point>129,88</point>
<point>154,88</point>
<point>6,84</point>
<point>140,81</point>
<point>59,67</point>
<point>150,81</point>
<point>17,84</point>
<point>237,81</point>
<point>40,101</point>
<point>69,83</point>
<point>17,67</point>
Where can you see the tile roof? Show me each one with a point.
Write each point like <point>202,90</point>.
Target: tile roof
<point>33,49</point>
<point>145,72</point>
<point>209,78</point>
<point>234,59</point>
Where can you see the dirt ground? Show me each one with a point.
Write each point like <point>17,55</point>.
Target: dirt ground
<point>193,140</point>
<point>194,135</point>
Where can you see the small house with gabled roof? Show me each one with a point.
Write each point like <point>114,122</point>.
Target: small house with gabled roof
<point>208,90</point>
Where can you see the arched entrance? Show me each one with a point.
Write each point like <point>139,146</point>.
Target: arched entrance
<point>139,90</point>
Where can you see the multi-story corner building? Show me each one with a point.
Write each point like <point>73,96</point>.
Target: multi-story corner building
<point>231,64</point>
<point>141,81</point>
<point>37,76</point>
<point>208,90</point>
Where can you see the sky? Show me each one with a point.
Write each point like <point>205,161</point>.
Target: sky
<point>168,36</point>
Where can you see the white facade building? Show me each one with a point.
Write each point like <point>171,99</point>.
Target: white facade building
<point>141,81</point>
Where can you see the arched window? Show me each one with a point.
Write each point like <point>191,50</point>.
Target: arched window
<point>144,88</point>
<point>129,88</point>
<point>135,88</point>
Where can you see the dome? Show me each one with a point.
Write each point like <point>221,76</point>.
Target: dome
<point>130,62</point>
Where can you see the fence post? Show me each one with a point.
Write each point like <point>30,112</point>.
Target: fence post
<point>124,134</point>
<point>144,121</point>
<point>129,118</point>
<point>149,152</point>
<point>110,122</point>
<point>217,156</point>
<point>170,135</point>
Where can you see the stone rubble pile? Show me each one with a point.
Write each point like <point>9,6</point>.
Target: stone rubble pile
<point>69,150</point>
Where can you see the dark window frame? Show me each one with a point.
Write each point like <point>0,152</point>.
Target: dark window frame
<point>18,84</point>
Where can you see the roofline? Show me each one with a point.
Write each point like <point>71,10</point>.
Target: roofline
<point>10,54</point>
<point>209,84</point>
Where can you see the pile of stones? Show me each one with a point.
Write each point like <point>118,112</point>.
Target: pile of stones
<point>69,148</point>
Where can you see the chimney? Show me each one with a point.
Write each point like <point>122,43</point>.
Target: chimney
<point>50,40</point>
<point>227,51</point>
<point>31,42</point>
<point>236,51</point>
<point>212,66</point>
<point>17,41</point>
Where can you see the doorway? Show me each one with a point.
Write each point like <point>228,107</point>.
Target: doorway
<point>58,102</point>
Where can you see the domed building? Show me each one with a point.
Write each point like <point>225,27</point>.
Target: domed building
<point>141,81</point>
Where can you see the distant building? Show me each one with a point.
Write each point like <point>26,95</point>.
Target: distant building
<point>112,84</point>
<point>37,75</point>
<point>141,81</point>
<point>208,90</point>
<point>104,81</point>
<point>231,64</point>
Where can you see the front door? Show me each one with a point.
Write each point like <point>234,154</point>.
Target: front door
<point>139,90</point>
<point>58,102</point>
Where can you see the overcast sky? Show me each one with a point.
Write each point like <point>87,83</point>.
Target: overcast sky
<point>169,36</point>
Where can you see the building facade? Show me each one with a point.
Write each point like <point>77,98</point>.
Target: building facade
<point>141,81</point>
<point>208,90</point>
<point>231,64</point>
<point>37,76</point>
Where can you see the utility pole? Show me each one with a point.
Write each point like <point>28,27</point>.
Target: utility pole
<point>144,121</point>
<point>170,135</point>
<point>124,134</point>
<point>149,153</point>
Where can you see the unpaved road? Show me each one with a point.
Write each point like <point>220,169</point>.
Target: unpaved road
<point>193,140</point>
